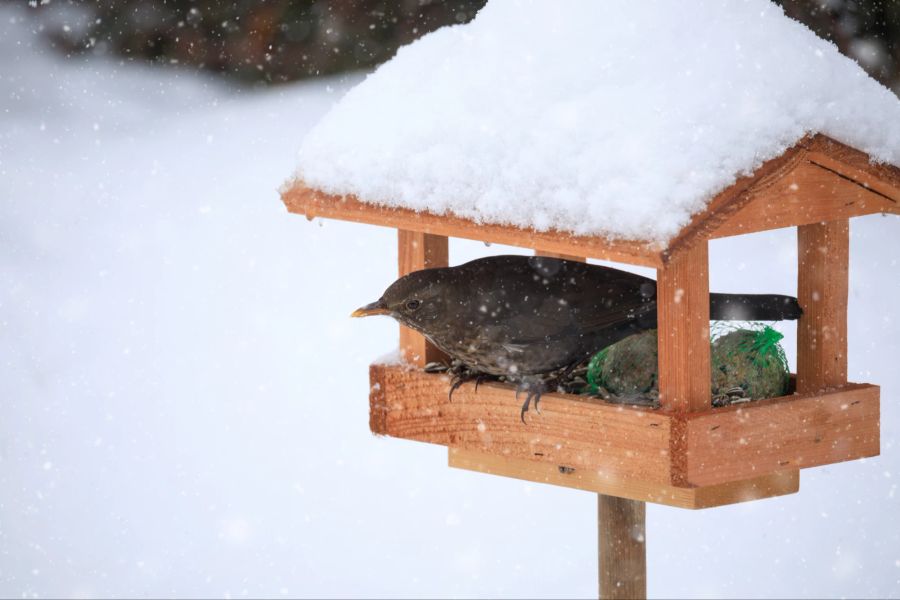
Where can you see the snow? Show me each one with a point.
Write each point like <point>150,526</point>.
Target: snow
<point>614,118</point>
<point>184,397</point>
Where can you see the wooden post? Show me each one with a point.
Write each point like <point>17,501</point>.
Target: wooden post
<point>682,297</point>
<point>622,547</point>
<point>417,251</point>
<point>823,253</point>
<point>621,532</point>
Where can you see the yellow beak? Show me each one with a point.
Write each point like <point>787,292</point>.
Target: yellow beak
<point>375,308</point>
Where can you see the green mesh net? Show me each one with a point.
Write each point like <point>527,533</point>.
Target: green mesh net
<point>627,369</point>
<point>747,363</point>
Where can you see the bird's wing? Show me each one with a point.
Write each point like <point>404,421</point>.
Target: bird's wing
<point>535,299</point>
<point>620,311</point>
<point>603,297</point>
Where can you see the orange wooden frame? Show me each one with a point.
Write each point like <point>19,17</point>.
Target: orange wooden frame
<point>685,453</point>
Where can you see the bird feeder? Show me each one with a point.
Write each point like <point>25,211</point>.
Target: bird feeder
<point>685,453</point>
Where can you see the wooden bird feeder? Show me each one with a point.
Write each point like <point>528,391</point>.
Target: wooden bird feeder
<point>685,453</point>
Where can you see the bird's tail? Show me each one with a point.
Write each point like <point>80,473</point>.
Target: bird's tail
<point>753,307</point>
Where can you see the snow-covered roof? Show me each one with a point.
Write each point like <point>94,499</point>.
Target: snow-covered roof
<point>614,118</point>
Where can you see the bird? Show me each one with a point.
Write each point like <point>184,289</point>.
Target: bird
<point>529,318</point>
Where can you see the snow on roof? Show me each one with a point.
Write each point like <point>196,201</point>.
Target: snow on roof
<point>614,118</point>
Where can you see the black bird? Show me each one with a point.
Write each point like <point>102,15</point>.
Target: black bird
<point>526,318</point>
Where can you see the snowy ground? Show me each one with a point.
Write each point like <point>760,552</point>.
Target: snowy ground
<point>183,396</point>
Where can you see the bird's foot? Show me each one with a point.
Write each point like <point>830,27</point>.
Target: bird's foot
<point>533,392</point>
<point>481,378</point>
<point>462,374</point>
<point>457,380</point>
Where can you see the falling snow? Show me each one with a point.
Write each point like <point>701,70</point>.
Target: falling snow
<point>185,400</point>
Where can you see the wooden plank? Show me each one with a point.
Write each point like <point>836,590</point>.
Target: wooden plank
<point>629,448</point>
<point>682,296</point>
<point>756,488</point>
<point>849,162</point>
<point>570,431</point>
<point>623,551</point>
<point>722,208</point>
<point>822,290</point>
<point>313,203</point>
<point>809,193</point>
<point>417,251</point>
<point>562,256</point>
<point>742,441</point>
<point>866,188</point>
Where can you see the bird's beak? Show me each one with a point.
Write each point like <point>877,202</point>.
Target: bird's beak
<point>376,308</point>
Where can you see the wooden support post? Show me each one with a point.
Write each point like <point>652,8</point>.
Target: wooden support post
<point>621,533</point>
<point>417,251</point>
<point>822,284</point>
<point>682,297</point>
<point>622,547</point>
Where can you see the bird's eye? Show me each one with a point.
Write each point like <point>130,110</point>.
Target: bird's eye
<point>413,304</point>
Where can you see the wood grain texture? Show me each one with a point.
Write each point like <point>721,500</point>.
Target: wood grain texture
<point>741,441</point>
<point>310,202</point>
<point>822,290</point>
<point>417,251</point>
<point>832,180</point>
<point>882,178</point>
<point>622,527</point>
<point>763,486</point>
<point>682,297</point>
<point>625,449</point>
<point>562,256</point>
<point>808,193</point>
<point>722,208</point>
<point>570,431</point>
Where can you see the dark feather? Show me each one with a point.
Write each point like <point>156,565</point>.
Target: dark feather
<point>518,315</point>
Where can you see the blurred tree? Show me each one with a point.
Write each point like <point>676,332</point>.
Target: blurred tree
<point>866,30</point>
<point>271,40</point>
<point>282,40</point>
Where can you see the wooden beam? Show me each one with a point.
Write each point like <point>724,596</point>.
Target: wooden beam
<point>417,251</point>
<point>740,441</point>
<point>622,546</point>
<point>817,179</point>
<point>882,178</point>
<point>623,450</point>
<point>682,296</point>
<point>761,486</point>
<point>573,432</point>
<point>310,202</point>
<point>562,256</point>
<point>722,208</point>
<point>822,289</point>
<point>812,192</point>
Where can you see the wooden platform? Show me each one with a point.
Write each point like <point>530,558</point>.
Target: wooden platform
<point>692,460</point>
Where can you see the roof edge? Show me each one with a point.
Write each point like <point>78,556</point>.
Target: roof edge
<point>301,199</point>
<point>843,161</point>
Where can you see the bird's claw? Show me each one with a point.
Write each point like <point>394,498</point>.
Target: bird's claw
<point>456,383</point>
<point>463,375</point>
<point>533,394</point>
